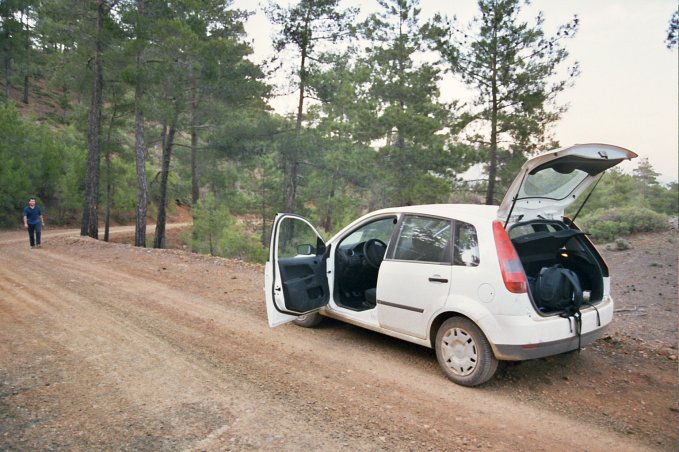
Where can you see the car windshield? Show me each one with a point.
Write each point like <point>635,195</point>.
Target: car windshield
<point>551,184</point>
<point>380,229</point>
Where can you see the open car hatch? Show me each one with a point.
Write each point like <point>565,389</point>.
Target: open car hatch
<point>548,183</point>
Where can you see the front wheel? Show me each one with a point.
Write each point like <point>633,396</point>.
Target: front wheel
<point>308,320</point>
<point>464,353</point>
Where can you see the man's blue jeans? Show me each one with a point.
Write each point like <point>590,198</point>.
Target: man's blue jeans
<point>34,234</point>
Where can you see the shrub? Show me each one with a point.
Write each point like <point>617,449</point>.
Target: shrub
<point>607,224</point>
<point>622,244</point>
<point>216,232</point>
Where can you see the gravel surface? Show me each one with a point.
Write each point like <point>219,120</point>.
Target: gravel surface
<point>104,346</point>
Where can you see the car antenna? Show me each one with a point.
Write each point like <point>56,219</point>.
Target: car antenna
<point>516,198</point>
<point>586,199</point>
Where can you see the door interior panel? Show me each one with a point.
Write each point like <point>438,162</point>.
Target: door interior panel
<point>304,283</point>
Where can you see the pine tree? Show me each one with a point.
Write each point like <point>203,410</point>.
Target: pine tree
<point>512,67</point>
<point>672,31</point>
<point>90,221</point>
<point>306,26</point>
<point>407,114</point>
<point>10,42</point>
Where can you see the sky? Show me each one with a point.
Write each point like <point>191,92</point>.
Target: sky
<point>626,94</point>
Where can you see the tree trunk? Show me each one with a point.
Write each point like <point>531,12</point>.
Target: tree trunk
<point>8,74</point>
<point>302,87</point>
<point>492,168</point>
<point>109,194</point>
<point>140,150</point>
<point>195,186</point>
<point>327,220</point>
<point>89,225</point>
<point>291,202</point>
<point>7,64</point>
<point>405,192</point>
<point>24,98</point>
<point>159,239</point>
<point>195,183</point>
<point>27,48</point>
<point>109,180</point>
<point>140,163</point>
<point>264,237</point>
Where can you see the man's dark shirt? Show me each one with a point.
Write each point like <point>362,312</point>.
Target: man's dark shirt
<point>32,215</point>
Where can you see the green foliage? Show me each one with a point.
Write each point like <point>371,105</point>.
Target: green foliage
<point>372,130</point>
<point>67,199</point>
<point>608,224</point>
<point>622,244</point>
<point>624,204</point>
<point>122,180</point>
<point>415,161</point>
<point>217,233</point>
<point>617,189</point>
<point>306,28</point>
<point>36,162</point>
<point>659,198</point>
<point>17,18</point>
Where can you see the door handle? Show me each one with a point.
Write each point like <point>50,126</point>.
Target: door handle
<point>437,279</point>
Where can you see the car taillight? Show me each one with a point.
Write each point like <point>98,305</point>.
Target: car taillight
<point>510,264</point>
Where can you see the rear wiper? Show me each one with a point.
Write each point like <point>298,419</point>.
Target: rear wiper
<point>572,221</point>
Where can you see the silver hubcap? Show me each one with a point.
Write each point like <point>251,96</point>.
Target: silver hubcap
<point>459,351</point>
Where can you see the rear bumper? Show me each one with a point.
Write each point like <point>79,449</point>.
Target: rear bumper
<point>540,350</point>
<point>524,337</point>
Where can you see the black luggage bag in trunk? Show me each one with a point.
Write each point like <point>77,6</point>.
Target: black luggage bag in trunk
<point>563,268</point>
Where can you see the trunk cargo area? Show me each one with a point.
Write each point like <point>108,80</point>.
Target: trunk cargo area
<point>542,244</point>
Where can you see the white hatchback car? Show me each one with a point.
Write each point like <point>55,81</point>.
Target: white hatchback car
<point>461,279</point>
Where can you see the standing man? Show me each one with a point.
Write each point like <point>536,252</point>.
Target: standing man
<point>32,221</point>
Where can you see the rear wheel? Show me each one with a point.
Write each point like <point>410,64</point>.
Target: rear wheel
<point>308,320</point>
<point>464,353</point>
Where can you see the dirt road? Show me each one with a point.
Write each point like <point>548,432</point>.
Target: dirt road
<point>105,346</point>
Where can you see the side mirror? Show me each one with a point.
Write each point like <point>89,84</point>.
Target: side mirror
<point>305,250</point>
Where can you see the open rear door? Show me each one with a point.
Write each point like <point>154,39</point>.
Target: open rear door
<point>548,183</point>
<point>295,280</point>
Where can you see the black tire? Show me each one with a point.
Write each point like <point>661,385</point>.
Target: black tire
<point>308,320</point>
<point>464,353</point>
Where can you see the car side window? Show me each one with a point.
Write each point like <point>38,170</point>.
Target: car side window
<point>296,238</point>
<point>466,249</point>
<point>424,239</point>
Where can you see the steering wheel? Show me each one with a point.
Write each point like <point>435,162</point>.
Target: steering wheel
<point>373,252</point>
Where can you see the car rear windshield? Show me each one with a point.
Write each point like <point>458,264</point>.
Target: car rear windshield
<point>551,184</point>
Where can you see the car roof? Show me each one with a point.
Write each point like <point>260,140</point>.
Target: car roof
<point>459,211</point>
<point>471,213</point>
